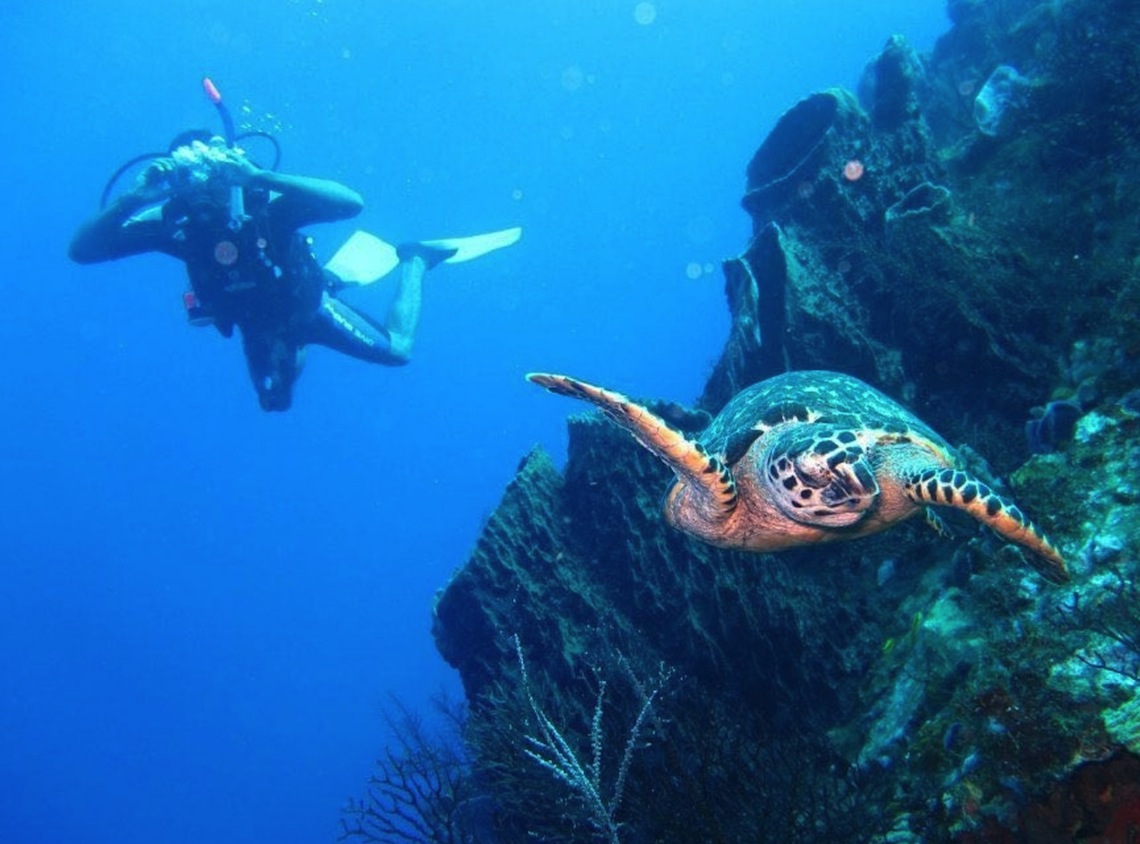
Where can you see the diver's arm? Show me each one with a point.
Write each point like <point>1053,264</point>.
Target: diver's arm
<point>300,200</point>
<point>318,200</point>
<point>113,234</point>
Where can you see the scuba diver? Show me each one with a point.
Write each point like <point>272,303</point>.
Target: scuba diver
<point>236,226</point>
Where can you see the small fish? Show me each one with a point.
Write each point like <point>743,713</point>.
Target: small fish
<point>950,737</point>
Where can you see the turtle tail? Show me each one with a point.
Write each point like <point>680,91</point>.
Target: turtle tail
<point>954,488</point>
<point>688,459</point>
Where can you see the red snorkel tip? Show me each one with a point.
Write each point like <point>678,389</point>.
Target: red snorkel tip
<point>211,90</point>
<point>216,98</point>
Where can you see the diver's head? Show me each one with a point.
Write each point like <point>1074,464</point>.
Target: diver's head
<point>198,157</point>
<point>187,137</point>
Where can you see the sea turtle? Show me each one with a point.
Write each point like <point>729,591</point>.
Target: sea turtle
<point>809,457</point>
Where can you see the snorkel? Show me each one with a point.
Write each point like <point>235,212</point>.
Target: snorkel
<point>237,201</point>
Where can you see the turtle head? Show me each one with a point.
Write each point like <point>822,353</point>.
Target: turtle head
<point>818,475</point>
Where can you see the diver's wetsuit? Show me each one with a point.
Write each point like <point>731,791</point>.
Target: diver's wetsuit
<point>260,276</point>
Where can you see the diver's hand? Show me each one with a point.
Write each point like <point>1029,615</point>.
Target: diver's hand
<point>235,169</point>
<point>156,182</point>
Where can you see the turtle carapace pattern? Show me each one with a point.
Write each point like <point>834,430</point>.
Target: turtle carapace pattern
<point>809,457</point>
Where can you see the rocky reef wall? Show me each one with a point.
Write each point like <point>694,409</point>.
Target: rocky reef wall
<point>962,233</point>
<point>929,245</point>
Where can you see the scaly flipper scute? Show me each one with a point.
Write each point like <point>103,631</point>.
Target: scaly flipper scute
<point>705,473</point>
<point>946,487</point>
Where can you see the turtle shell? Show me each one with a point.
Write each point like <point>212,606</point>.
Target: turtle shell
<point>828,398</point>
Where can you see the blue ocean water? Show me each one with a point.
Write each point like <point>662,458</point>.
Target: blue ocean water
<point>203,606</point>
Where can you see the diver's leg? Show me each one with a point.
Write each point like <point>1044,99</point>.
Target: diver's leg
<point>404,314</point>
<point>350,332</point>
<point>274,364</point>
<point>340,327</point>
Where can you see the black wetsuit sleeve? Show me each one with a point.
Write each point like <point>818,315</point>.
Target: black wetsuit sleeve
<point>113,233</point>
<point>303,200</point>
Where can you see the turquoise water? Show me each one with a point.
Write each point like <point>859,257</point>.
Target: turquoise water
<point>204,606</point>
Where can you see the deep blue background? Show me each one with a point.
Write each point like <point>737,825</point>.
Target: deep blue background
<point>203,606</point>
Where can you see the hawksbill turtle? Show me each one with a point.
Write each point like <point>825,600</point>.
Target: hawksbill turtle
<point>808,457</point>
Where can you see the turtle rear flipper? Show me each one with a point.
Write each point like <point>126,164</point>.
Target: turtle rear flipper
<point>946,487</point>
<point>704,473</point>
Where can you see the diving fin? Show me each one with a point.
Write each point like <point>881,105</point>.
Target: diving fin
<point>365,258</point>
<point>467,248</point>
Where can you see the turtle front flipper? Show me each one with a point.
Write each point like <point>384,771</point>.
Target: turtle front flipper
<point>947,487</point>
<point>704,473</point>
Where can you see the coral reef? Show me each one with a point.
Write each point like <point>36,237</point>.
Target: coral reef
<point>1001,96</point>
<point>902,687</point>
<point>958,264</point>
<point>421,789</point>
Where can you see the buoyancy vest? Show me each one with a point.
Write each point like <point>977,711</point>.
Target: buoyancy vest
<point>248,274</point>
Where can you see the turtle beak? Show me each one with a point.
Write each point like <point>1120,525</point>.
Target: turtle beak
<point>854,482</point>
